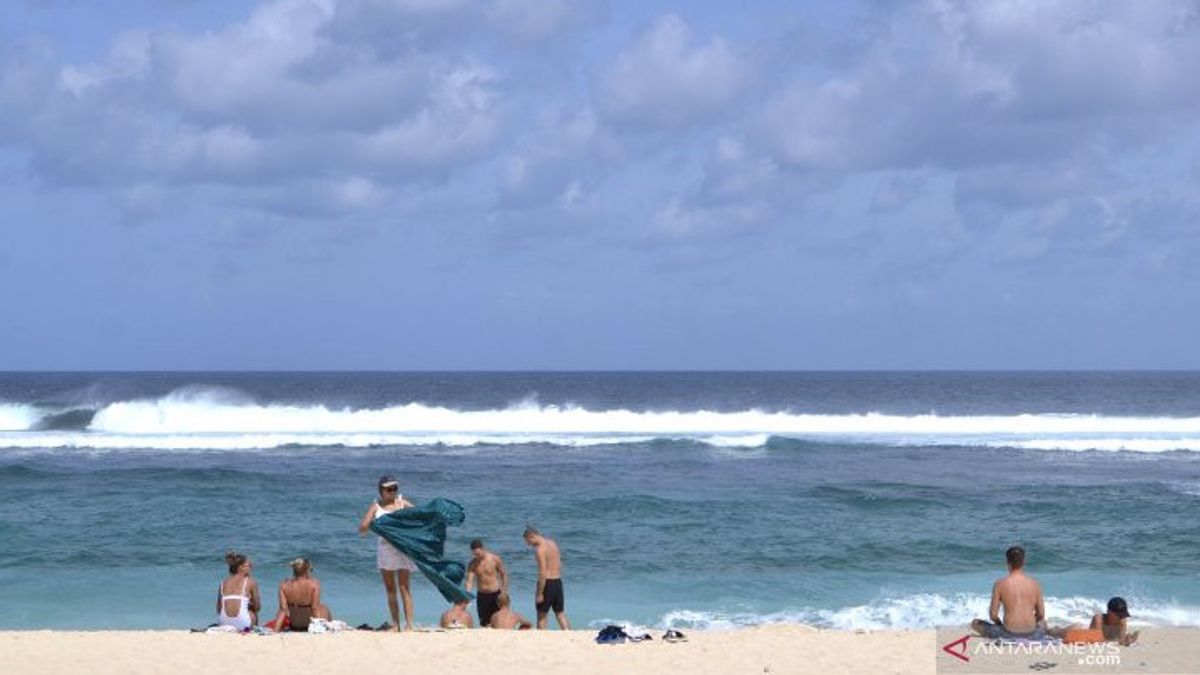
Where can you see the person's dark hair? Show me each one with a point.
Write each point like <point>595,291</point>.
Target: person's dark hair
<point>1117,606</point>
<point>1015,556</point>
<point>476,544</point>
<point>529,529</point>
<point>234,560</point>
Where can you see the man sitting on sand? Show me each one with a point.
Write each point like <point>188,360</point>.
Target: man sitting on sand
<point>549,586</point>
<point>506,619</point>
<point>1021,597</point>
<point>457,616</point>
<point>488,569</point>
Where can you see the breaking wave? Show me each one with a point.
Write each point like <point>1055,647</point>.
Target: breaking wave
<point>928,610</point>
<point>219,419</point>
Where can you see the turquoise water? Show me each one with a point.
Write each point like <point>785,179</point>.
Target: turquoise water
<point>689,500</point>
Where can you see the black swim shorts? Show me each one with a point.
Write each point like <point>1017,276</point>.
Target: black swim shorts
<point>552,597</point>
<point>486,604</point>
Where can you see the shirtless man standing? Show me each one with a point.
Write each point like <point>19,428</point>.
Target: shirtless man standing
<point>1021,597</point>
<point>549,587</point>
<point>488,569</point>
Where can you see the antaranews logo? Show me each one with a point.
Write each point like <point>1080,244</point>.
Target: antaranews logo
<point>958,648</point>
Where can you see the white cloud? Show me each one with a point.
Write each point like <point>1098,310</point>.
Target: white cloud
<point>461,120</point>
<point>270,100</point>
<point>542,19</point>
<point>958,84</point>
<point>358,192</point>
<point>247,63</point>
<point>663,78</point>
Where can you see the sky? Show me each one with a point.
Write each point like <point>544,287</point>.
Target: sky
<point>574,184</point>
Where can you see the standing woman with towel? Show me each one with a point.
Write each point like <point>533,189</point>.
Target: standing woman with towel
<point>395,567</point>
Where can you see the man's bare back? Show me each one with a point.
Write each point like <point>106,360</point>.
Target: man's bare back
<point>506,619</point>
<point>549,559</point>
<point>1021,597</point>
<point>456,617</point>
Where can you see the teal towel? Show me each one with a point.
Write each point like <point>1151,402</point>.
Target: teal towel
<point>420,533</point>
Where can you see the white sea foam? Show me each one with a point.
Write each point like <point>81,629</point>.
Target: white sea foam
<point>928,610</point>
<point>252,441</point>
<point>1190,444</point>
<point>217,419</point>
<point>18,417</point>
<point>1192,489</point>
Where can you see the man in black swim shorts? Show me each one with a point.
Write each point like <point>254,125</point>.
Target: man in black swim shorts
<point>549,594</point>
<point>487,569</point>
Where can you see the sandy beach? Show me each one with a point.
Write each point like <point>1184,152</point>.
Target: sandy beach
<point>776,649</point>
<point>769,649</point>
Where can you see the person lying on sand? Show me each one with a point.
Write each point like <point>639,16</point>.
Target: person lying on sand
<point>457,616</point>
<point>506,619</point>
<point>1021,597</point>
<point>1111,626</point>
<point>300,598</point>
<point>1115,623</point>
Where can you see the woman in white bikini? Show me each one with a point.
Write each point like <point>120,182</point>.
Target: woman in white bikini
<point>237,596</point>
<point>394,566</point>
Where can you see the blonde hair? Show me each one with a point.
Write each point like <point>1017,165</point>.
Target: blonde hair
<point>503,600</point>
<point>301,566</point>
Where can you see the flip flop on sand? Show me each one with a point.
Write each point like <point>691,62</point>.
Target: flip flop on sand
<point>674,636</point>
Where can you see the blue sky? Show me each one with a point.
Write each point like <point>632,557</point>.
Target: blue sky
<point>511,184</point>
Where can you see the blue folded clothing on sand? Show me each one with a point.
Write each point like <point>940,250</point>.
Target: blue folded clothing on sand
<point>615,635</point>
<point>611,635</point>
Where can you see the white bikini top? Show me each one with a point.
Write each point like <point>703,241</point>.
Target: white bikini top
<point>379,509</point>
<point>243,596</point>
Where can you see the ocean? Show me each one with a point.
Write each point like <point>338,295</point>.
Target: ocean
<point>687,500</point>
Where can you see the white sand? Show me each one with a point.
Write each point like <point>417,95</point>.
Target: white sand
<point>769,649</point>
<point>776,649</point>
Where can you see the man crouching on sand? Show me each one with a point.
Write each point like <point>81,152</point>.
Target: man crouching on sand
<point>457,617</point>
<point>506,619</point>
<point>1021,597</point>
<point>549,586</point>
